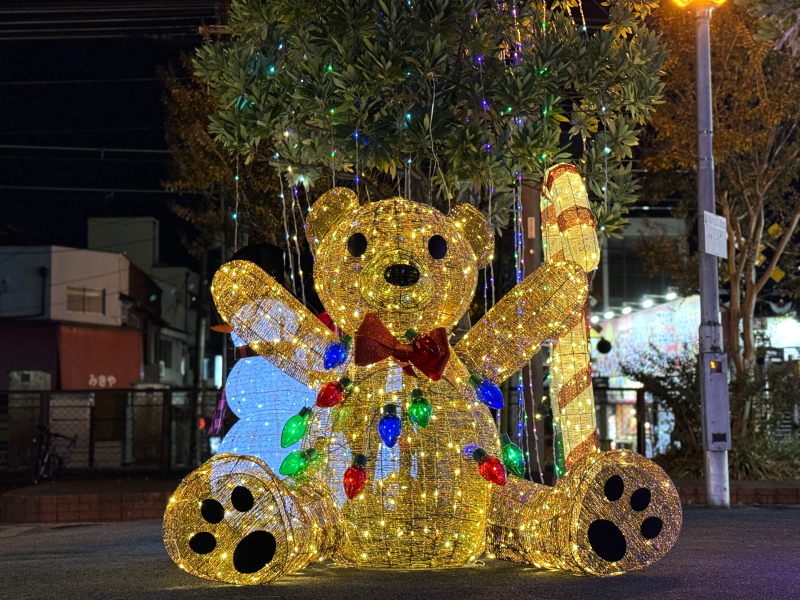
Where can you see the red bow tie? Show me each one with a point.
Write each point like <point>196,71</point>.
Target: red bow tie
<point>429,352</point>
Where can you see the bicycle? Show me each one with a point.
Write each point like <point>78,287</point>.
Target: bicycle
<point>47,465</point>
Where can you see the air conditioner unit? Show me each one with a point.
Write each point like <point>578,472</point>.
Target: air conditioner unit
<point>29,380</point>
<point>162,369</point>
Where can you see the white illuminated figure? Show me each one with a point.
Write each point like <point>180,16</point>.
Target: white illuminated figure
<point>264,398</point>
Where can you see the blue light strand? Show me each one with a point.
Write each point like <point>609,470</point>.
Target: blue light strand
<point>236,206</point>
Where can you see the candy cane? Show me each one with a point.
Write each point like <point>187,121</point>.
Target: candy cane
<point>568,228</point>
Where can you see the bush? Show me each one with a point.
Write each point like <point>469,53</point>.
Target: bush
<point>757,452</point>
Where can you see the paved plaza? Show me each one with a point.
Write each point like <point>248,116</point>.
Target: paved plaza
<point>745,553</point>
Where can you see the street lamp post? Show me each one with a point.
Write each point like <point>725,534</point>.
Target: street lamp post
<point>713,362</point>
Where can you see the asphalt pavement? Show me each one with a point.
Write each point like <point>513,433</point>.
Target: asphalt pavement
<point>745,553</point>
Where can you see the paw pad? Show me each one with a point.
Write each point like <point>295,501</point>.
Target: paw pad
<point>630,514</point>
<point>233,520</point>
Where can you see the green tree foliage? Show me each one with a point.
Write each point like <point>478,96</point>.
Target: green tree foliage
<point>459,98</point>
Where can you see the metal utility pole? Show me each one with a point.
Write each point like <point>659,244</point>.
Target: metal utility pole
<point>713,362</point>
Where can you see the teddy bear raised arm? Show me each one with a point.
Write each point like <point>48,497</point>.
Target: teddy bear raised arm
<point>399,460</point>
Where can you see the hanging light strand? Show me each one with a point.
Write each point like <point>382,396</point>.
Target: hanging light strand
<point>286,232</point>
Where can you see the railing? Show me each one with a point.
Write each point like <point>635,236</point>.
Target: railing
<point>119,431</point>
<point>644,415</point>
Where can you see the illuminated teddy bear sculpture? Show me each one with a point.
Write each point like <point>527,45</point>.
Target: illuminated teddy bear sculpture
<point>399,465</point>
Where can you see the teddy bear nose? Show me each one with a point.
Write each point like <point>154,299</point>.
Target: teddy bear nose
<point>401,275</point>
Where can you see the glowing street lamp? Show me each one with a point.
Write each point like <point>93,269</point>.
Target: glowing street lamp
<point>713,363</point>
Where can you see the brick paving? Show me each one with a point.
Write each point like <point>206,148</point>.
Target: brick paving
<point>137,499</point>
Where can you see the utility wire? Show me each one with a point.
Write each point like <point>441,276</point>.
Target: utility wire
<point>38,131</point>
<point>78,81</point>
<point>111,191</point>
<point>78,149</point>
<point>176,5</point>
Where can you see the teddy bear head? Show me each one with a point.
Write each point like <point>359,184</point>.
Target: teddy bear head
<point>405,261</point>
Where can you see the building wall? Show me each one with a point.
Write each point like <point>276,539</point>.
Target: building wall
<point>24,281</point>
<point>89,269</point>
<point>179,285</point>
<point>135,237</point>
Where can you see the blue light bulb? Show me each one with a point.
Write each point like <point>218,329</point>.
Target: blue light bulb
<point>487,392</point>
<point>337,353</point>
<point>390,425</point>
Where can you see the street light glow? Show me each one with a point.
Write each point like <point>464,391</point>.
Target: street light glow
<point>647,303</point>
<point>685,3</point>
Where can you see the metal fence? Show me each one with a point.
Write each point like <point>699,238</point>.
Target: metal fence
<point>115,432</point>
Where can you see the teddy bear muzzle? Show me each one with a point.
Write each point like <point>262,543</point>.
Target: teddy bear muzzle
<point>410,285</point>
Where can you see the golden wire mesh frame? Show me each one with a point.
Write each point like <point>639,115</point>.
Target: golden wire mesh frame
<point>424,504</point>
<point>611,513</point>
<point>396,231</point>
<point>544,305</point>
<point>233,520</point>
<point>273,322</point>
<point>472,224</point>
<point>569,234</point>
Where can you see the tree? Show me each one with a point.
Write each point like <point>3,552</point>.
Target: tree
<point>778,20</point>
<point>757,153</point>
<point>456,100</point>
<point>203,168</point>
<point>757,454</point>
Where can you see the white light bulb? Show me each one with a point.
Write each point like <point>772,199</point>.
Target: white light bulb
<point>609,314</point>
<point>672,296</point>
<point>595,319</point>
<point>647,303</point>
<point>627,310</point>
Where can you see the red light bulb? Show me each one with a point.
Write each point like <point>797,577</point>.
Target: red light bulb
<point>355,478</point>
<point>489,467</point>
<point>333,392</point>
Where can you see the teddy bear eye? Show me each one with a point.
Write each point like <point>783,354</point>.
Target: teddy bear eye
<point>437,246</point>
<point>357,244</point>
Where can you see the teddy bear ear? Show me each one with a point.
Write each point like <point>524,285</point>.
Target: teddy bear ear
<point>475,228</point>
<point>328,210</point>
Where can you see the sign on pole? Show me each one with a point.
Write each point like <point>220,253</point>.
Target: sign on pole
<point>715,235</point>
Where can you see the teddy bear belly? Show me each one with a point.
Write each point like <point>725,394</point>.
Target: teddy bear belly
<point>424,504</point>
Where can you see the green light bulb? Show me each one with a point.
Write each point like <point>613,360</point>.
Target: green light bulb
<point>513,458</point>
<point>420,409</point>
<point>295,428</point>
<point>294,464</point>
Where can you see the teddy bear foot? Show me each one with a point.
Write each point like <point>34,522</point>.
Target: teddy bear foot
<point>233,520</point>
<point>611,513</point>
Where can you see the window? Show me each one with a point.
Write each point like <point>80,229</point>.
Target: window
<point>86,300</point>
<point>165,353</point>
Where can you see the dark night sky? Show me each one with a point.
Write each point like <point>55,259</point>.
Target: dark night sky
<point>104,41</point>
<point>105,113</point>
